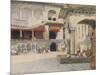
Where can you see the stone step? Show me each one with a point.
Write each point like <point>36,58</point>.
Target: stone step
<point>64,59</point>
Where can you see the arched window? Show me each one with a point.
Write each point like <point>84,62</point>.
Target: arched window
<point>51,14</point>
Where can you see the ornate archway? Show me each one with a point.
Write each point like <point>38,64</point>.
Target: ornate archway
<point>92,34</point>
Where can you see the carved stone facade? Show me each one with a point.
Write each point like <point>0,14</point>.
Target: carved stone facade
<point>49,22</point>
<point>36,22</point>
<point>79,32</point>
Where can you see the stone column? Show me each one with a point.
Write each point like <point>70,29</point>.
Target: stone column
<point>21,34</point>
<point>61,33</point>
<point>72,42</point>
<point>67,49</point>
<point>46,36</point>
<point>32,35</point>
<point>66,33</point>
<point>46,32</point>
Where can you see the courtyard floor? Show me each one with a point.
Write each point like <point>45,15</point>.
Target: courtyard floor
<point>40,63</point>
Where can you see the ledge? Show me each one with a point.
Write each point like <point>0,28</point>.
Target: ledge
<point>64,59</point>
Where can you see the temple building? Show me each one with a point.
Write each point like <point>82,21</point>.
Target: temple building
<point>36,22</point>
<point>49,24</point>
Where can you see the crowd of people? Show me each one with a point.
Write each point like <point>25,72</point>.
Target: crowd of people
<point>83,53</point>
<point>28,47</point>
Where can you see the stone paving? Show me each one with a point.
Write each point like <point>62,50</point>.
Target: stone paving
<point>40,63</point>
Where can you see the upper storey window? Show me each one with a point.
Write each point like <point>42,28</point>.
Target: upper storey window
<point>38,13</point>
<point>26,13</point>
<point>15,13</point>
<point>52,15</point>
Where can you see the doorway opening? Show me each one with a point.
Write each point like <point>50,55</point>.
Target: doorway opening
<point>53,46</point>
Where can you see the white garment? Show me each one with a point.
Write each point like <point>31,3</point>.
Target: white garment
<point>85,43</point>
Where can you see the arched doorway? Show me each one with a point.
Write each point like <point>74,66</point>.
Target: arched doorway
<point>92,34</point>
<point>53,46</point>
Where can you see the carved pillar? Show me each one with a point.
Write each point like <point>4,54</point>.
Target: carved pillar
<point>21,34</point>
<point>72,44</point>
<point>32,35</point>
<point>47,32</point>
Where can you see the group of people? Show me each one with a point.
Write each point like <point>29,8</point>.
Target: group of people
<point>30,47</point>
<point>42,50</point>
<point>83,53</point>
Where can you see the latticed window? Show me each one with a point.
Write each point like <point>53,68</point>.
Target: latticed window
<point>26,13</point>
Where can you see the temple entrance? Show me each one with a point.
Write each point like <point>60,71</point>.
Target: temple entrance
<point>53,46</point>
